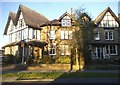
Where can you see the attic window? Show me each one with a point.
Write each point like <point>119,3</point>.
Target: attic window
<point>21,22</point>
<point>66,21</point>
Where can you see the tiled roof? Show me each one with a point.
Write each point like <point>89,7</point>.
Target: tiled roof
<point>54,22</point>
<point>12,17</point>
<point>32,18</point>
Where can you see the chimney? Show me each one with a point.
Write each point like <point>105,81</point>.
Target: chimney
<point>72,14</point>
<point>119,10</point>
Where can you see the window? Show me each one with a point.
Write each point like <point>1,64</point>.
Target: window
<point>97,36</point>
<point>52,34</point>
<point>109,35</point>
<point>52,49</point>
<point>111,49</point>
<point>66,21</point>
<point>107,49</point>
<point>70,34</point>
<point>65,50</point>
<point>34,34</point>
<point>62,34</point>
<point>21,22</point>
<point>66,34</point>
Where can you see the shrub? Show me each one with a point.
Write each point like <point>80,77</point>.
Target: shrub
<point>63,60</point>
<point>45,59</point>
<point>9,59</point>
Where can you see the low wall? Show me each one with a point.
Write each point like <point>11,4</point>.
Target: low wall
<point>52,67</point>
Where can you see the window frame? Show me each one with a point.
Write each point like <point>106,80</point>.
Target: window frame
<point>66,21</point>
<point>66,35</point>
<point>97,36</point>
<point>65,50</point>
<point>52,36</point>
<point>52,49</point>
<point>107,35</point>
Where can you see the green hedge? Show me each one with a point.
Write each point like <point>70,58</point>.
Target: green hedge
<point>63,60</point>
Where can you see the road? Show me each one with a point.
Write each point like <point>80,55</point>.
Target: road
<point>68,81</point>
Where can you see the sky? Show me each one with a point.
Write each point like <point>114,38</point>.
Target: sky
<point>51,10</point>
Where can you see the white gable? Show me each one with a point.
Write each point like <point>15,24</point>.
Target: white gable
<point>21,23</point>
<point>66,17</point>
<point>108,21</point>
<point>66,21</point>
<point>10,27</point>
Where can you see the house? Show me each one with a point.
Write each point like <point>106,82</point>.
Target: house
<point>58,34</point>
<point>33,35</point>
<point>24,33</point>
<point>106,43</point>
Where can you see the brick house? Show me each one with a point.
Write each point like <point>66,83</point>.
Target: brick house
<point>106,44</point>
<point>33,35</point>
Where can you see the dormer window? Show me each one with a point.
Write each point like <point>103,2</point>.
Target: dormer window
<point>66,21</point>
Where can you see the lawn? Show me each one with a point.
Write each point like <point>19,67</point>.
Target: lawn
<point>54,75</point>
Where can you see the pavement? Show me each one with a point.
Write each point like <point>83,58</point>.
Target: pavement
<point>65,81</point>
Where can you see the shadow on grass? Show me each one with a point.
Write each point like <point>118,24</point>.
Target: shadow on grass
<point>74,78</point>
<point>14,68</point>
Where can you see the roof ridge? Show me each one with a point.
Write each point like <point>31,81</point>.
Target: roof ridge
<point>21,6</point>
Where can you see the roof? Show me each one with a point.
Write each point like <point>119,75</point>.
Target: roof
<point>12,17</point>
<point>54,22</point>
<point>32,18</point>
<point>66,13</point>
<point>101,16</point>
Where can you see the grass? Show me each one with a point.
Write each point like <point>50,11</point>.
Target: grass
<point>54,75</point>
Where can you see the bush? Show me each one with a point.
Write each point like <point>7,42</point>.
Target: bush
<point>9,59</point>
<point>63,60</point>
<point>45,59</point>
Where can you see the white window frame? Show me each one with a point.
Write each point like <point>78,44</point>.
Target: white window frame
<point>52,48</point>
<point>108,35</point>
<point>114,49</point>
<point>52,34</point>
<point>62,35</point>
<point>66,35</point>
<point>66,21</point>
<point>70,35</point>
<point>65,50</point>
<point>109,53</point>
<point>97,36</point>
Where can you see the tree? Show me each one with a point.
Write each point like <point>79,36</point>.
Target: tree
<point>81,37</point>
